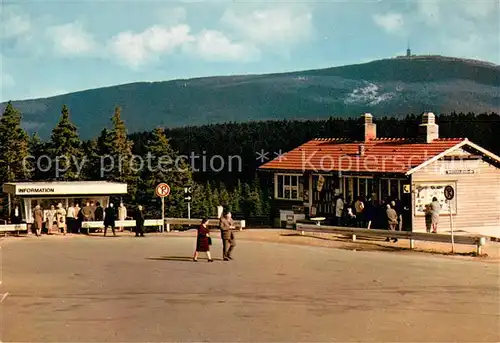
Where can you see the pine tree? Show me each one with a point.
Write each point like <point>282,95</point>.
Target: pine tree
<point>236,198</point>
<point>215,201</point>
<point>164,166</point>
<point>92,169</point>
<point>65,149</point>
<point>210,204</point>
<point>14,147</point>
<point>116,155</point>
<point>37,149</point>
<point>224,197</point>
<point>199,204</point>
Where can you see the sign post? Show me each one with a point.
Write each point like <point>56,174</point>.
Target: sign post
<point>163,190</point>
<point>449,194</point>
<point>187,198</point>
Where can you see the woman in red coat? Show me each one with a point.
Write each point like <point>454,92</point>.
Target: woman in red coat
<point>203,241</point>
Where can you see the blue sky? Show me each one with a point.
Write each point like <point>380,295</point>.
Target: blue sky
<point>56,47</point>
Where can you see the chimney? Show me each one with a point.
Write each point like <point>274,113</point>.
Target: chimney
<point>428,130</point>
<point>370,129</point>
<point>361,150</point>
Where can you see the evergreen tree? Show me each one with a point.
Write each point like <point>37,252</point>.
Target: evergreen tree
<point>65,149</point>
<point>14,147</point>
<point>215,201</point>
<point>92,169</point>
<point>236,198</point>
<point>116,155</point>
<point>37,149</point>
<point>164,166</point>
<point>224,197</point>
<point>199,206</point>
<point>211,206</point>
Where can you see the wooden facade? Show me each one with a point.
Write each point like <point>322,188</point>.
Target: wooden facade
<point>476,206</point>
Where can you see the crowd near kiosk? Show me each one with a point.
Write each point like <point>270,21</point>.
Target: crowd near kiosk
<point>412,173</point>
<point>30,195</point>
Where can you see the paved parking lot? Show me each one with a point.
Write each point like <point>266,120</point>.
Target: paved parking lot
<point>126,289</point>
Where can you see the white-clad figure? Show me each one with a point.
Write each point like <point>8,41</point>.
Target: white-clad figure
<point>122,214</point>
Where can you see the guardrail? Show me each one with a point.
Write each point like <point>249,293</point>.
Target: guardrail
<point>478,241</point>
<point>158,222</point>
<point>5,228</point>
<point>121,223</point>
<point>194,222</point>
<point>131,223</point>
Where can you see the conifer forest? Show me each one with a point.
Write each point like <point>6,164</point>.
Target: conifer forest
<point>237,186</point>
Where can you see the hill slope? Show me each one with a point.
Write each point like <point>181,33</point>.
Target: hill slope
<point>387,87</point>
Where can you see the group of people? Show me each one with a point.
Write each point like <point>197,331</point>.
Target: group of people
<point>386,214</point>
<point>204,240</point>
<point>71,219</point>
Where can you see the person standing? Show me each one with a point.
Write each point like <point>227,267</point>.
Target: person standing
<point>203,241</point>
<point>370,213</point>
<point>392,221</point>
<point>87,216</point>
<point>435,210</point>
<point>399,213</point>
<point>139,222</point>
<point>61,218</point>
<point>339,209</point>
<point>97,212</point>
<point>228,242</point>
<point>15,215</point>
<point>359,207</point>
<point>38,220</point>
<point>70,218</point>
<point>51,219</point>
<point>122,214</point>
<point>78,218</point>
<point>428,218</point>
<point>109,219</point>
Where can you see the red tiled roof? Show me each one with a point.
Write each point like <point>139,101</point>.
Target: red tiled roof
<point>381,155</point>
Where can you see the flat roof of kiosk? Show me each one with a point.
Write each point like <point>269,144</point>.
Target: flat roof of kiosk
<point>64,188</point>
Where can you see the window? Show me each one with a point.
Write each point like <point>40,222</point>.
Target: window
<point>288,186</point>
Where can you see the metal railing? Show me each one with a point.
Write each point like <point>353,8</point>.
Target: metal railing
<point>478,241</point>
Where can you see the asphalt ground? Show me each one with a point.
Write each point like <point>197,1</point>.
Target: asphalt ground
<point>126,289</point>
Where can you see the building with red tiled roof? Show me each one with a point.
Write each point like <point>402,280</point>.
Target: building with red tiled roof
<point>410,172</point>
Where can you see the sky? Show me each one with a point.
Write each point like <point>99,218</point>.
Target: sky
<point>56,47</point>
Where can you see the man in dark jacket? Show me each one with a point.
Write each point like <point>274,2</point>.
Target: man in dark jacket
<point>139,222</point>
<point>109,219</point>
<point>98,213</point>
<point>228,242</point>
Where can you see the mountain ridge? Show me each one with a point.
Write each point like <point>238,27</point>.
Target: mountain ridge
<point>392,87</point>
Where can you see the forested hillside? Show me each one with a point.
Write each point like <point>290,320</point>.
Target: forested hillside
<point>393,87</point>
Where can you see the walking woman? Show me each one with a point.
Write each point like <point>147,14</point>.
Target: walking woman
<point>203,241</point>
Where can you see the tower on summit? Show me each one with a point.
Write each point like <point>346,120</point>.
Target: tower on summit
<point>408,50</point>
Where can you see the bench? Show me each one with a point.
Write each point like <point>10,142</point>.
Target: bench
<point>478,241</point>
<point>6,228</point>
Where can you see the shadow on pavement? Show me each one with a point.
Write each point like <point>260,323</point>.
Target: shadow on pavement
<point>179,259</point>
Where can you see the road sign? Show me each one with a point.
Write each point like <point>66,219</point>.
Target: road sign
<point>449,192</point>
<point>188,198</point>
<point>406,189</point>
<point>187,189</point>
<point>162,190</point>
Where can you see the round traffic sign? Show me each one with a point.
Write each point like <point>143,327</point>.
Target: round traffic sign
<point>449,192</point>
<point>162,190</point>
